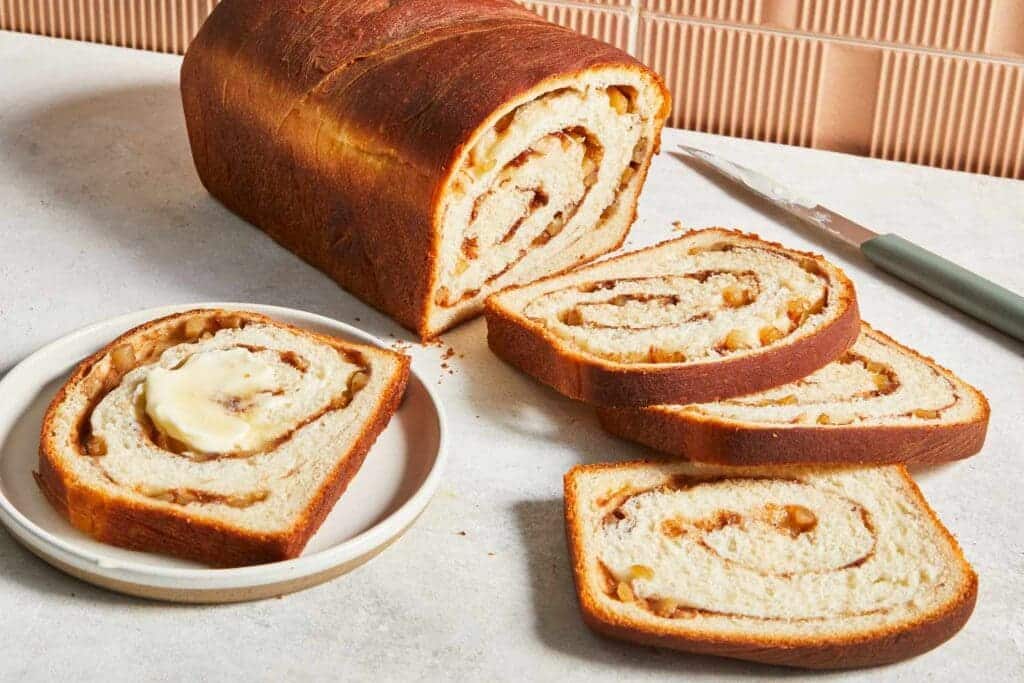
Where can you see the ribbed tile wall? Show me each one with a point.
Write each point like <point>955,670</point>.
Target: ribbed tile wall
<point>937,82</point>
<point>742,83</point>
<point>946,24</point>
<point>610,25</point>
<point>733,11</point>
<point>955,113</point>
<point>993,27</point>
<point>161,25</point>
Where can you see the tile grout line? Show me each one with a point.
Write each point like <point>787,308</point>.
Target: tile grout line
<point>633,45</point>
<point>846,40</point>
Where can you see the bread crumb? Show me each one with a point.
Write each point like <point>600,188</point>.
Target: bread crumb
<point>446,355</point>
<point>677,226</point>
<point>400,346</point>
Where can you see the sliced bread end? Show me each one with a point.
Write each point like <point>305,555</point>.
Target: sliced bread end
<point>678,591</point>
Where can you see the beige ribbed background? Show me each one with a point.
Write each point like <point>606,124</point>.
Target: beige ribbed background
<point>938,82</point>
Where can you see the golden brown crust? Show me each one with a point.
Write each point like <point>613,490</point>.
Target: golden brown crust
<point>716,440</point>
<point>870,648</point>
<point>536,352</point>
<point>338,142</point>
<point>164,528</point>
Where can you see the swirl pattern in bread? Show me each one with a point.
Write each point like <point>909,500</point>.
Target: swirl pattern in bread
<point>880,402</point>
<point>424,153</point>
<point>528,196</point>
<point>812,567</point>
<point>714,313</point>
<point>239,469</point>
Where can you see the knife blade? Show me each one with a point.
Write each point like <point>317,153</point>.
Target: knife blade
<point>805,209</point>
<point>929,272</point>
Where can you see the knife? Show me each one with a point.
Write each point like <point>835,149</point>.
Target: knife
<point>943,279</point>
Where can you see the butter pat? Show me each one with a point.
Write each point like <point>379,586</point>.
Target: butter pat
<point>208,403</point>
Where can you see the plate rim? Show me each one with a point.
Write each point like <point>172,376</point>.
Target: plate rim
<point>394,524</point>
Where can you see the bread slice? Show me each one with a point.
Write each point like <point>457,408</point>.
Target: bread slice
<point>820,568</point>
<point>881,402</point>
<point>125,477</point>
<point>713,314</point>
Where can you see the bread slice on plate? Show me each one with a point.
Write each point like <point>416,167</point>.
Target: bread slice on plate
<point>820,568</point>
<point>222,437</point>
<point>881,402</point>
<point>713,314</point>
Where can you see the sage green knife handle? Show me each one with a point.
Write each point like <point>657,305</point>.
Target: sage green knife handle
<point>958,287</point>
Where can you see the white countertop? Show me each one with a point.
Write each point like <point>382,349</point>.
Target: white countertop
<point>101,213</point>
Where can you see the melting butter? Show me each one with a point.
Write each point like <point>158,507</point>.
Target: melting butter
<point>206,403</point>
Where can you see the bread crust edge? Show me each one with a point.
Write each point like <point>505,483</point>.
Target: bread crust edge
<point>860,650</point>
<point>159,528</point>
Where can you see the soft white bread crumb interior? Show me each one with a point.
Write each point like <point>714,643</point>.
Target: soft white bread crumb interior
<point>549,181</point>
<point>699,298</point>
<point>264,490</point>
<point>876,382</point>
<point>718,546</point>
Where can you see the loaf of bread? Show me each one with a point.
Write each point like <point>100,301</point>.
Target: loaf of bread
<point>217,436</point>
<point>809,567</point>
<point>710,315</point>
<point>423,153</point>
<point>881,402</point>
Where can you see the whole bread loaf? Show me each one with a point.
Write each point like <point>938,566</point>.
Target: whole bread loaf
<point>223,437</point>
<point>423,153</point>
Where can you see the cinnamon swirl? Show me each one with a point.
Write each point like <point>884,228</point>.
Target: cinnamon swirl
<point>710,315</point>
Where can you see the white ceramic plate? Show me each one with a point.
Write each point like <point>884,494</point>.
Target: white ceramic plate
<point>394,485</point>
